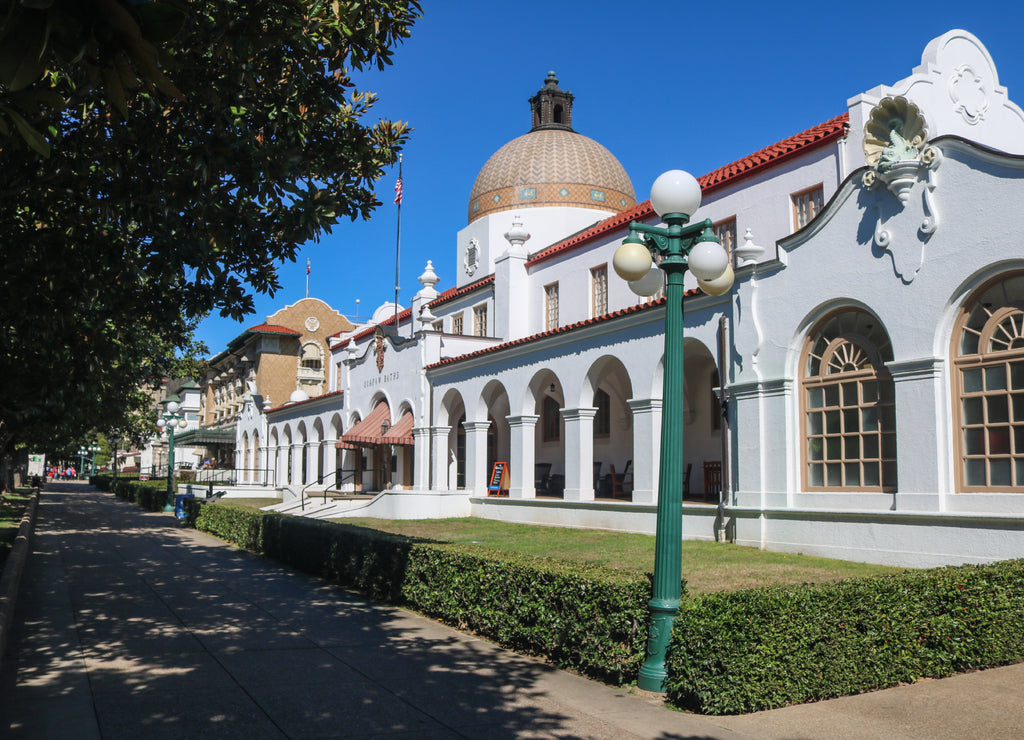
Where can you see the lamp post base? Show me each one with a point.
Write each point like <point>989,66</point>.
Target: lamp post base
<point>653,675</point>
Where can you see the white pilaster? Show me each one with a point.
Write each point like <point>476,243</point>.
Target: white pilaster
<point>521,471</point>
<point>579,453</point>
<point>646,449</point>
<point>421,458</point>
<point>440,458</point>
<point>476,457</point>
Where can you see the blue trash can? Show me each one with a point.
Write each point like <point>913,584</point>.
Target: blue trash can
<point>179,504</point>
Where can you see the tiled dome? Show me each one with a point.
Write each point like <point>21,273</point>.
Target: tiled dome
<point>552,165</point>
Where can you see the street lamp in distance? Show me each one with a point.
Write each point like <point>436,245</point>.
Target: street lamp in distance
<point>169,419</point>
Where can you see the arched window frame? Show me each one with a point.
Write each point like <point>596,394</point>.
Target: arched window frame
<point>987,352</point>
<point>847,404</point>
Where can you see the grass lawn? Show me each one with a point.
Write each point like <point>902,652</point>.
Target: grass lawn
<point>12,508</point>
<point>707,566</point>
<point>250,503</point>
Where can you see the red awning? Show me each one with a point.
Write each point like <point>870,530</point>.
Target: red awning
<point>367,431</point>
<point>400,432</point>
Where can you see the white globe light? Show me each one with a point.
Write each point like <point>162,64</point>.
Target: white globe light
<point>172,407</point>
<point>650,283</point>
<point>182,424</point>
<point>675,191</point>
<point>161,423</point>
<point>631,261</point>
<point>707,260</point>
<point>720,285</point>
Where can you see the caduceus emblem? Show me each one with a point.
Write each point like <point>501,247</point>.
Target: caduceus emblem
<point>380,350</point>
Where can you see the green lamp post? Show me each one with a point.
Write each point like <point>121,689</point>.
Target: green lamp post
<point>83,452</point>
<point>170,419</point>
<point>680,245</point>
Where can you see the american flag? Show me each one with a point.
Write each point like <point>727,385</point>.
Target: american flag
<point>398,191</point>
<point>307,265</point>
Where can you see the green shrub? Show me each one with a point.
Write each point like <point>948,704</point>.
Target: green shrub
<point>586,618</point>
<point>756,649</point>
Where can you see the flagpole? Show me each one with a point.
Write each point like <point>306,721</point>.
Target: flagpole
<point>398,235</point>
<point>307,277</point>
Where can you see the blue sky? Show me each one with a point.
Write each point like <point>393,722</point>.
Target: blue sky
<point>661,84</point>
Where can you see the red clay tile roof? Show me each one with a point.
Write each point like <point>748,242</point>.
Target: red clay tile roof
<point>715,180</point>
<point>453,293</point>
<point>273,329</point>
<point>368,332</point>
<point>560,330</point>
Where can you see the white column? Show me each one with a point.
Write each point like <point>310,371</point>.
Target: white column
<point>579,453</point>
<point>439,458</point>
<point>298,450</point>
<point>310,452</point>
<point>476,457</point>
<point>646,448</point>
<point>522,431</point>
<point>330,449</point>
<point>421,458</point>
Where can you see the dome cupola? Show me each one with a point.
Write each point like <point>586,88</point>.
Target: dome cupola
<point>551,165</point>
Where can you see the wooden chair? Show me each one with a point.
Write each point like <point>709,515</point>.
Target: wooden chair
<point>712,478</point>
<point>541,475</point>
<point>619,480</point>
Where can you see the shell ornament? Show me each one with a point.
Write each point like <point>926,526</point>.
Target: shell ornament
<point>895,132</point>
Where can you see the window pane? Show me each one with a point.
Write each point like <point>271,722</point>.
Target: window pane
<point>1018,440</point>
<point>815,398</point>
<point>999,472</point>
<point>889,446</point>
<point>852,474</point>
<point>869,419</point>
<point>1018,469</point>
<point>1017,375</point>
<point>974,441</point>
<point>851,419</point>
<point>999,440</point>
<point>974,472</point>
<point>850,397</point>
<point>852,444</point>
<point>834,448</point>
<point>968,343</point>
<point>814,423</point>
<point>870,446</point>
<point>973,411</point>
<point>871,474</point>
<point>817,476</point>
<point>832,395</point>
<point>835,474</point>
<point>995,378</point>
<point>816,448</point>
<point>972,380</point>
<point>889,474</point>
<point>870,390</point>
<point>832,422</point>
<point>998,409</point>
<point>1018,406</point>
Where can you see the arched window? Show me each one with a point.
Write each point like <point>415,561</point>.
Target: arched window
<point>311,359</point>
<point>849,415</point>
<point>988,387</point>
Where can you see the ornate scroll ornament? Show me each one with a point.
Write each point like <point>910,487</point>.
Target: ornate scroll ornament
<point>967,91</point>
<point>472,259</point>
<point>379,349</point>
<point>894,146</point>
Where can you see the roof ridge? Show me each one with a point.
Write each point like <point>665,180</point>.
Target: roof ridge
<point>714,180</point>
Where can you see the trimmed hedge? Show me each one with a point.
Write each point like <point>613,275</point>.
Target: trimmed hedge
<point>746,651</point>
<point>590,619</point>
<point>150,495</point>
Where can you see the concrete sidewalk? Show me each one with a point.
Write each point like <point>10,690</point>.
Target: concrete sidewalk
<point>128,626</point>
